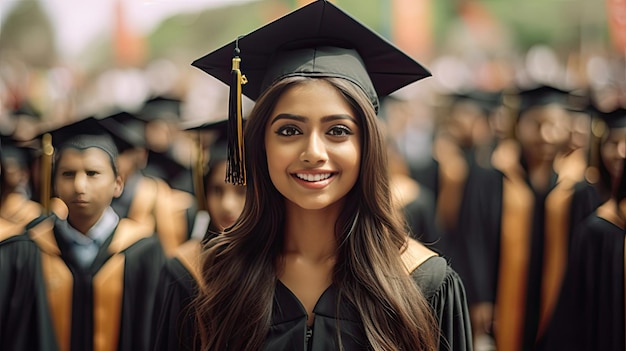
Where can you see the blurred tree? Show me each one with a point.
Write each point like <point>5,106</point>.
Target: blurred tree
<point>28,35</point>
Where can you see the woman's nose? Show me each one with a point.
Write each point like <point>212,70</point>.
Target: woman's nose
<point>315,149</point>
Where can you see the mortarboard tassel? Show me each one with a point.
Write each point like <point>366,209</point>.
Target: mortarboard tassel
<point>46,172</point>
<point>198,176</point>
<point>236,171</point>
<point>598,128</point>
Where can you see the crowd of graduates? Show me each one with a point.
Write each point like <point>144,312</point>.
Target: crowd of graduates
<point>523,194</point>
<point>530,217</point>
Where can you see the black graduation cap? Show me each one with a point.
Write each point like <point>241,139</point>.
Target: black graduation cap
<point>488,101</point>
<point>615,118</point>
<point>83,134</point>
<point>317,40</point>
<point>126,129</point>
<point>26,109</point>
<point>218,152</point>
<point>13,150</point>
<point>542,95</point>
<point>166,108</point>
<point>163,166</point>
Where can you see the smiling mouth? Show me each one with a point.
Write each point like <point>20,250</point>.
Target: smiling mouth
<point>313,177</point>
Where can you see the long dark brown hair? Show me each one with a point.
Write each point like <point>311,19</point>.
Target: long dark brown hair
<point>239,271</point>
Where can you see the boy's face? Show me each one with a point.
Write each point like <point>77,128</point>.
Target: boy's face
<point>85,181</point>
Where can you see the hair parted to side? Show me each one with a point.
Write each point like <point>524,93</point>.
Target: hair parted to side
<point>239,269</point>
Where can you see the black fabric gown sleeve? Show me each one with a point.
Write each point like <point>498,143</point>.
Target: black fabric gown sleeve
<point>144,261</point>
<point>445,293</point>
<point>173,327</point>
<point>25,322</point>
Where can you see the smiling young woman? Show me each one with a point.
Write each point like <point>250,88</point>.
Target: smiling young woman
<point>319,259</point>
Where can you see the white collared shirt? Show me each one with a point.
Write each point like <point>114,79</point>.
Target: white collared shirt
<point>85,247</point>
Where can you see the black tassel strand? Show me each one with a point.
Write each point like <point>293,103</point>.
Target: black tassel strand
<point>236,172</point>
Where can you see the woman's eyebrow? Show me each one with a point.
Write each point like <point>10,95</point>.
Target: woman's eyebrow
<point>325,119</point>
<point>290,117</point>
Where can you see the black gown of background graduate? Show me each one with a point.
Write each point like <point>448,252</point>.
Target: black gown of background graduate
<point>108,305</point>
<point>24,316</point>
<point>590,311</point>
<point>173,324</point>
<point>486,257</point>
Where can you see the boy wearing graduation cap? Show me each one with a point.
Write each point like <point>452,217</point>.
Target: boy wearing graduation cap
<point>100,271</point>
<point>514,252</point>
<point>319,258</point>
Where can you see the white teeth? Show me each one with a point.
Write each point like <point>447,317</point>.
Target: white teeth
<point>313,177</point>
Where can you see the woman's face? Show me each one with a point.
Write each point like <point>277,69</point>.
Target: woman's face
<point>613,152</point>
<point>224,200</point>
<point>312,142</point>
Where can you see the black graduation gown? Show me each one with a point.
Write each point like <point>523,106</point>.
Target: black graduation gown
<point>173,325</point>
<point>440,284</point>
<point>107,306</point>
<point>590,313</point>
<point>479,260</point>
<point>25,322</point>
<point>585,201</point>
<point>121,205</point>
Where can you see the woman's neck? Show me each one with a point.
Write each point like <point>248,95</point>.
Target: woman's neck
<point>311,233</point>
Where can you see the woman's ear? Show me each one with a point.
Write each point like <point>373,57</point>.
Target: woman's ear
<point>119,186</point>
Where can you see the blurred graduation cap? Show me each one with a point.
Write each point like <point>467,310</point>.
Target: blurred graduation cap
<point>163,166</point>
<point>127,131</point>
<point>317,40</point>
<point>26,109</point>
<point>218,152</point>
<point>542,95</point>
<point>615,118</point>
<point>165,108</point>
<point>487,101</point>
<point>218,149</point>
<point>81,135</point>
<point>14,150</point>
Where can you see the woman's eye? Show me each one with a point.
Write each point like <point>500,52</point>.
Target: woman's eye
<point>92,173</point>
<point>340,131</point>
<point>288,131</point>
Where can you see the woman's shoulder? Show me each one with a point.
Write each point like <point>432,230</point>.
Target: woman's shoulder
<point>431,275</point>
<point>429,271</point>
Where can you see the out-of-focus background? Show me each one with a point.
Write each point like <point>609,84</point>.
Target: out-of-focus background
<point>70,57</point>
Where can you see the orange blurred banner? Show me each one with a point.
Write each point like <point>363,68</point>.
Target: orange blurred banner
<point>616,14</point>
<point>411,27</point>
